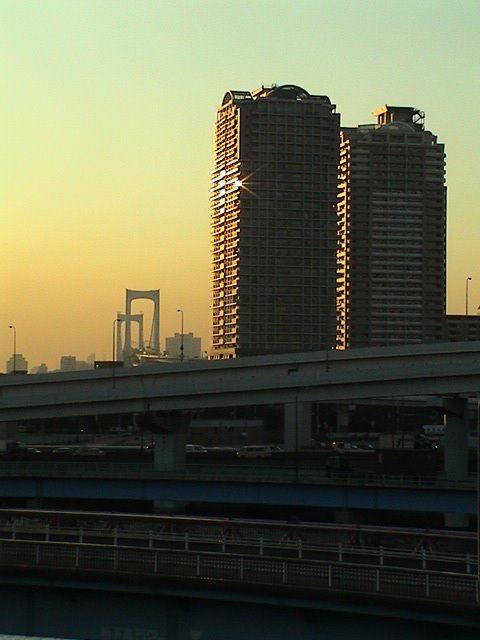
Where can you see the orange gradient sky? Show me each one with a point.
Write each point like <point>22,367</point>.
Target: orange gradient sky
<point>107,118</point>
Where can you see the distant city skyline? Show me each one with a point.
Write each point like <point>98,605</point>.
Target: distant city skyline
<point>107,138</point>
<point>74,362</point>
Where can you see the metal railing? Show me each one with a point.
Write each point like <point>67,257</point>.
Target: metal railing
<point>245,473</point>
<point>282,543</point>
<point>252,571</point>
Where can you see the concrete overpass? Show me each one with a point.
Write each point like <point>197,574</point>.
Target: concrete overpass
<point>86,607</point>
<point>326,376</point>
<point>284,487</point>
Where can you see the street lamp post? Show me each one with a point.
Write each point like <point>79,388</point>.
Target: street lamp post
<point>114,361</point>
<point>11,326</point>
<point>114,337</point>
<point>181,336</point>
<point>478,495</point>
<point>466,295</point>
<point>296,438</point>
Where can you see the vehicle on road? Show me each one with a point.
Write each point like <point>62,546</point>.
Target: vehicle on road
<point>89,451</point>
<point>62,450</point>
<point>195,448</point>
<point>258,450</point>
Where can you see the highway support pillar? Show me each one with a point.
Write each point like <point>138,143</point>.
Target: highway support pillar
<point>169,429</point>
<point>169,452</point>
<point>168,455</point>
<point>8,433</point>
<point>297,425</point>
<point>343,419</point>
<point>455,447</point>
<point>169,432</point>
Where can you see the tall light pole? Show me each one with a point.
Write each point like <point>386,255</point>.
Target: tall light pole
<point>114,336</point>
<point>181,336</point>
<point>466,295</point>
<point>114,362</point>
<point>11,326</point>
<point>478,494</point>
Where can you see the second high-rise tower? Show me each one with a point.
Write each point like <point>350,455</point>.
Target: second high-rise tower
<point>392,232</point>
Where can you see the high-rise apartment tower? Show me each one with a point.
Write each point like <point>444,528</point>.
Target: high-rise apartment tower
<point>392,231</point>
<point>273,222</point>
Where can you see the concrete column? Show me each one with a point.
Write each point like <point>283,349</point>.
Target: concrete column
<point>456,437</point>
<point>8,434</point>
<point>169,451</point>
<point>455,446</point>
<point>8,430</point>
<point>169,431</point>
<point>297,425</point>
<point>343,419</point>
<point>306,424</point>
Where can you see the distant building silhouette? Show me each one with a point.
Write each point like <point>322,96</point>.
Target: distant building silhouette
<point>41,368</point>
<point>68,363</point>
<point>192,346</point>
<point>17,363</point>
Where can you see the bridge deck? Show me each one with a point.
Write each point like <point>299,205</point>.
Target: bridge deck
<point>239,484</point>
<point>327,376</point>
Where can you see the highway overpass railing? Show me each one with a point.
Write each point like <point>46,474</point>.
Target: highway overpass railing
<point>245,473</point>
<point>238,569</point>
<point>283,541</point>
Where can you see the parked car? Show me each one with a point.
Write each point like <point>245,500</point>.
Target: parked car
<point>340,444</point>
<point>33,450</point>
<point>120,430</point>
<point>258,450</point>
<point>62,450</point>
<point>89,451</point>
<point>195,448</point>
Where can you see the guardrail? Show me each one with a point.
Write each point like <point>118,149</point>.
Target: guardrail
<point>244,473</point>
<point>252,571</point>
<point>283,543</point>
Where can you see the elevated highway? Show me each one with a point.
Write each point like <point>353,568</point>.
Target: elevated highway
<point>289,487</point>
<point>327,376</point>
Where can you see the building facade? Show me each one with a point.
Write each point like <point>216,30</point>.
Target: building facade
<point>463,328</point>
<point>273,222</point>
<point>17,364</point>
<point>68,363</point>
<point>192,346</point>
<point>392,232</point>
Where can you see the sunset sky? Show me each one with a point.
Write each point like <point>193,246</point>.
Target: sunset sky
<point>107,118</point>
